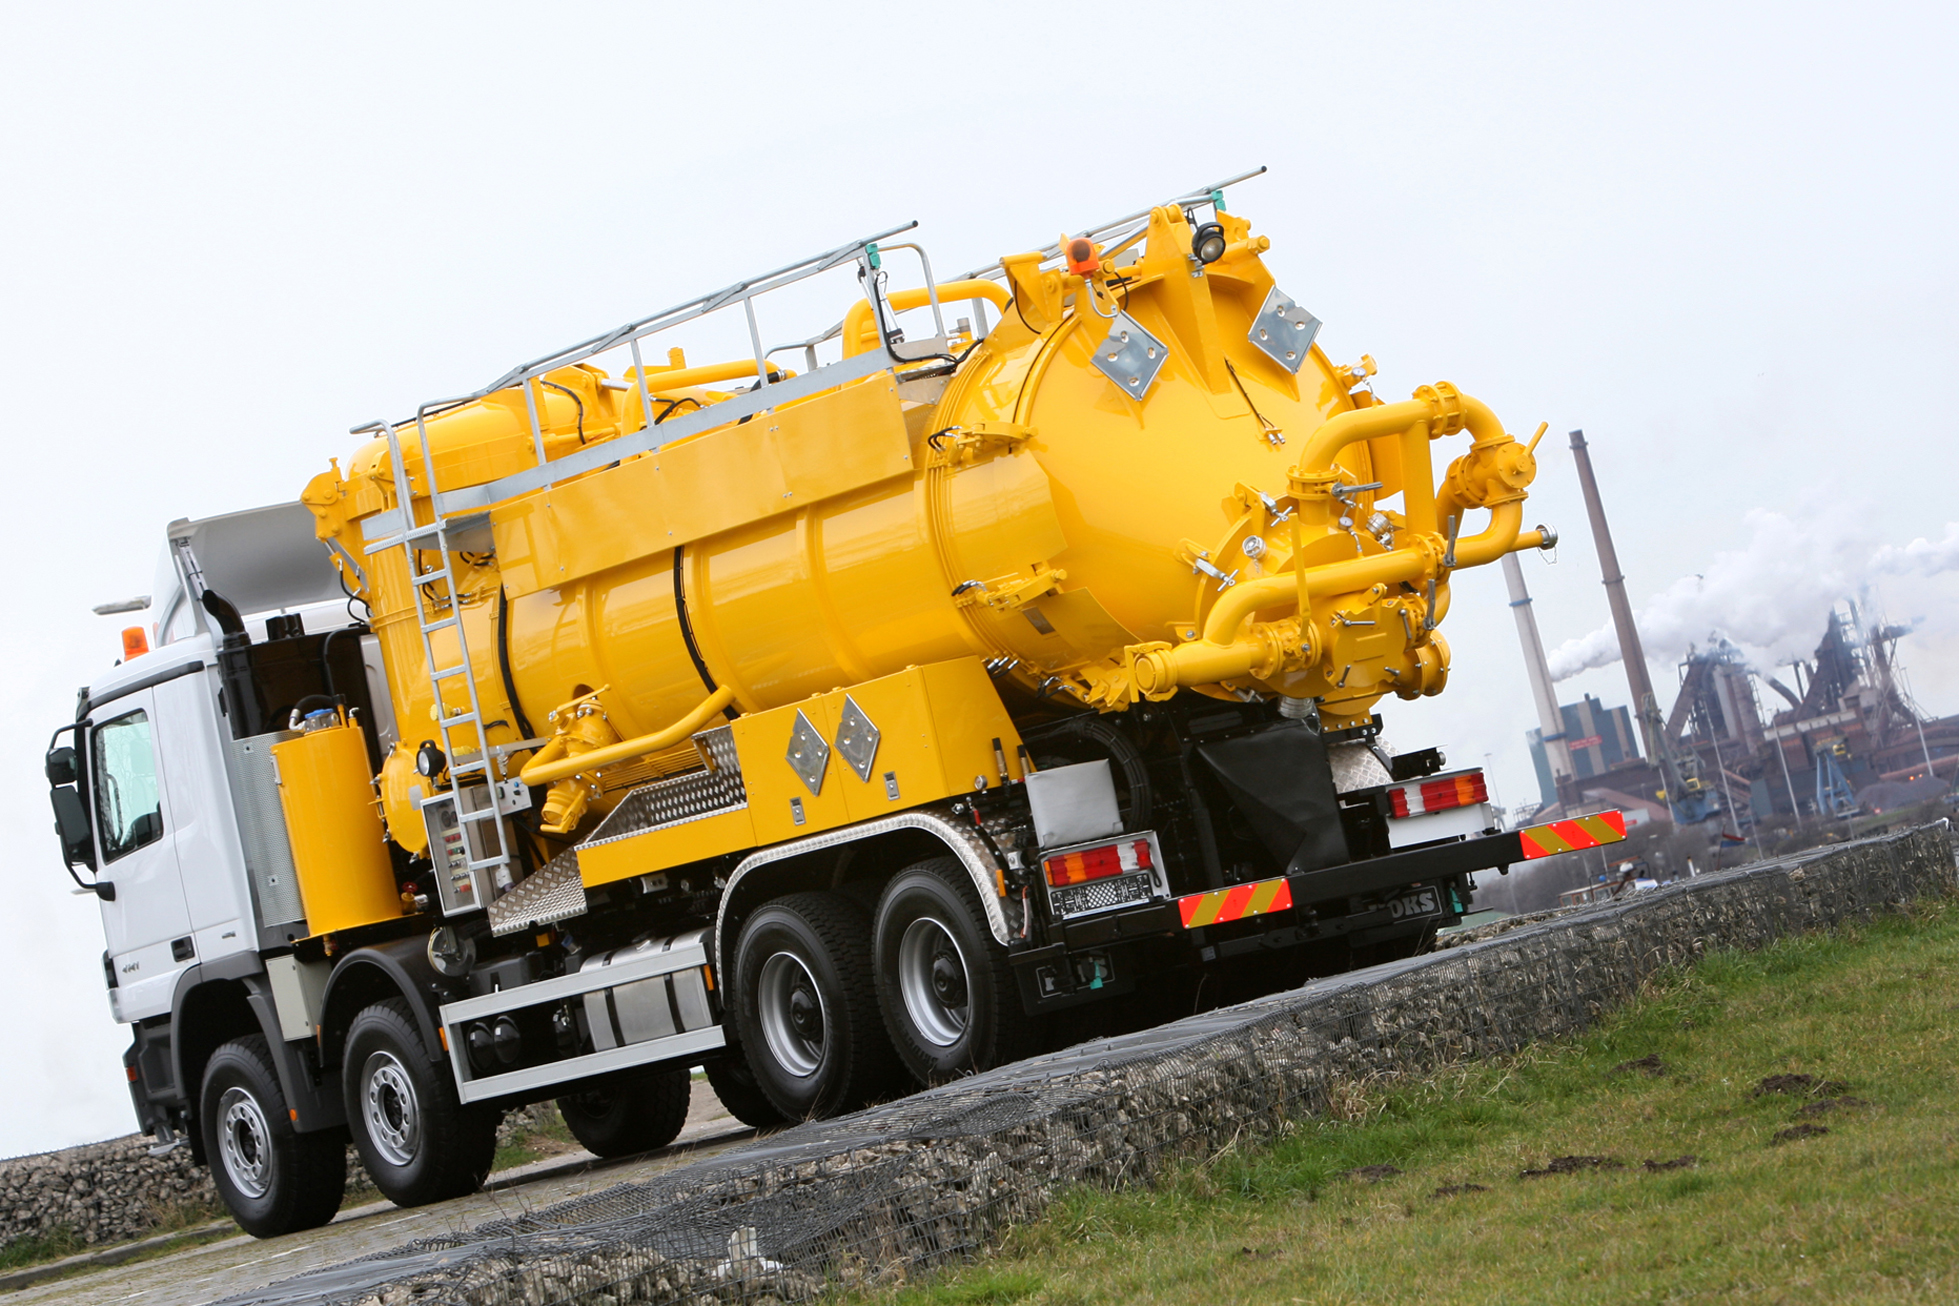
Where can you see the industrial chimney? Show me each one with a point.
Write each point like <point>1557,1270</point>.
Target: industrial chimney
<point>1630,652</point>
<point>1550,721</point>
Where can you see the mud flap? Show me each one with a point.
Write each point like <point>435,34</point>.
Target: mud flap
<point>1279,780</point>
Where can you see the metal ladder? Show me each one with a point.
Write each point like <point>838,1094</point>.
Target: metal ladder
<point>482,850</point>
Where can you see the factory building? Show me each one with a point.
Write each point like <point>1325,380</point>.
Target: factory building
<point>1599,739</point>
<point>1850,739</point>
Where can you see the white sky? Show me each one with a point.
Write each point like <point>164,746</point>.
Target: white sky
<point>1718,237</point>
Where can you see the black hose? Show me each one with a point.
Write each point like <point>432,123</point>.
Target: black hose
<point>305,705</point>
<point>326,655</point>
<point>503,663</point>
<point>581,411</point>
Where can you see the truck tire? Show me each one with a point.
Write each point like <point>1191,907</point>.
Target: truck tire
<point>420,1144</point>
<point>630,1113</point>
<point>273,1179</point>
<point>949,998</point>
<point>733,1082</point>
<point>805,1008</point>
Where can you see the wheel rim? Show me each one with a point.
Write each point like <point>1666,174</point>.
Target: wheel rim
<point>934,982</point>
<point>390,1108</point>
<point>595,1103</point>
<point>794,1020</point>
<point>245,1143</point>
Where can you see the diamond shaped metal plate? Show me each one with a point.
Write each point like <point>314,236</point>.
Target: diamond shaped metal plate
<point>808,754</point>
<point>1131,356</point>
<point>857,738</point>
<point>1283,330</point>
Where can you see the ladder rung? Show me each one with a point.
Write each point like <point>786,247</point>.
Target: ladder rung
<point>430,627</point>
<point>465,768</point>
<point>487,814</point>
<point>443,673</point>
<point>448,723</point>
<point>440,573</point>
<point>422,532</point>
<point>489,863</point>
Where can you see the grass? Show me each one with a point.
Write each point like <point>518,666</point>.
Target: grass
<point>547,1138</point>
<point>1861,1213</point>
<point>37,1249</point>
<point>189,1223</point>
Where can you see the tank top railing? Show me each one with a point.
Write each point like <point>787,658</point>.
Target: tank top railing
<point>1122,228</point>
<point>772,387</point>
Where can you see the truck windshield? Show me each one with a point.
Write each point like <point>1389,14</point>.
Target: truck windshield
<point>126,801</point>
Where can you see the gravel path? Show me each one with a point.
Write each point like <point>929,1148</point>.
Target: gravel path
<point>238,1264</point>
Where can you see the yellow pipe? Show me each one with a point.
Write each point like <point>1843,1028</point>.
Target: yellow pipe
<point>545,769</point>
<point>1238,603</point>
<point>859,316</point>
<point>1221,654</point>
<point>661,380</point>
<point>1499,538</point>
<point>1343,429</point>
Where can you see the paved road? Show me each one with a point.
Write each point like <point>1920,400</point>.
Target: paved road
<point>232,1265</point>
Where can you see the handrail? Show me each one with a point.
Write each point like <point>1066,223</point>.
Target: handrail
<point>639,328</point>
<point>647,439</point>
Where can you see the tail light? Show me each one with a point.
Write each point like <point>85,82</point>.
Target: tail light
<point>1085,864</point>
<point>1463,790</point>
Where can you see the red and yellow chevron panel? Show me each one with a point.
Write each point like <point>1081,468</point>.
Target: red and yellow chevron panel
<point>1578,832</point>
<point>1235,903</point>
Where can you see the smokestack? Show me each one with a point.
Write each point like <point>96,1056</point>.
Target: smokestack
<point>1550,721</point>
<point>1615,593</point>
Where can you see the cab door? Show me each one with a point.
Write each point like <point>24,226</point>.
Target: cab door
<point>146,923</point>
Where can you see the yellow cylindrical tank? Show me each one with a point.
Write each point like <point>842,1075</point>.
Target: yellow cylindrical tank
<point>1080,534</point>
<point>339,850</point>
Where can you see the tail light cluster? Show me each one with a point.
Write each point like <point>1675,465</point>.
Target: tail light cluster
<point>1085,864</point>
<point>1462,790</point>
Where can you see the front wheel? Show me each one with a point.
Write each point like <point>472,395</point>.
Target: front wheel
<point>630,1113</point>
<point>420,1144</point>
<point>805,1007</point>
<point>272,1179</point>
<point>948,995</point>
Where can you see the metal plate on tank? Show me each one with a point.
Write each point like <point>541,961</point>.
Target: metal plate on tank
<point>857,737</point>
<point>1283,330</point>
<point>808,754</point>
<point>262,828</point>
<point>1130,356</point>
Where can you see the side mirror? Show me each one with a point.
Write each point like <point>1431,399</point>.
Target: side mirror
<point>71,823</point>
<point>61,766</point>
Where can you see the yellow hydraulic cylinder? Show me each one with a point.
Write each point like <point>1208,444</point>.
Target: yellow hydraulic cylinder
<point>338,848</point>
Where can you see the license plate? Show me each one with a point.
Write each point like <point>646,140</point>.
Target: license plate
<point>1417,903</point>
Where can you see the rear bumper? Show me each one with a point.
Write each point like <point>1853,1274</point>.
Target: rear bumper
<point>1298,909</point>
<point>1103,955</point>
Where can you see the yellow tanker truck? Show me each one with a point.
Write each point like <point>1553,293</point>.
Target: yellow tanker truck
<point>991,669</point>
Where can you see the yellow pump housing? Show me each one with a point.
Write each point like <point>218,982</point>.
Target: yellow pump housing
<point>1238,522</point>
<point>339,849</point>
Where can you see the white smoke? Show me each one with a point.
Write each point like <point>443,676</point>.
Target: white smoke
<point>1922,557</point>
<point>1770,597</point>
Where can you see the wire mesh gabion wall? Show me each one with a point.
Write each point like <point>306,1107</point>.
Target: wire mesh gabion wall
<point>939,1177</point>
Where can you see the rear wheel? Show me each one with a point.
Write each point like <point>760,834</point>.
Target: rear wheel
<point>733,1082</point>
<point>949,998</point>
<point>273,1179</point>
<point>630,1113</point>
<point>806,1009</point>
<point>416,1138</point>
